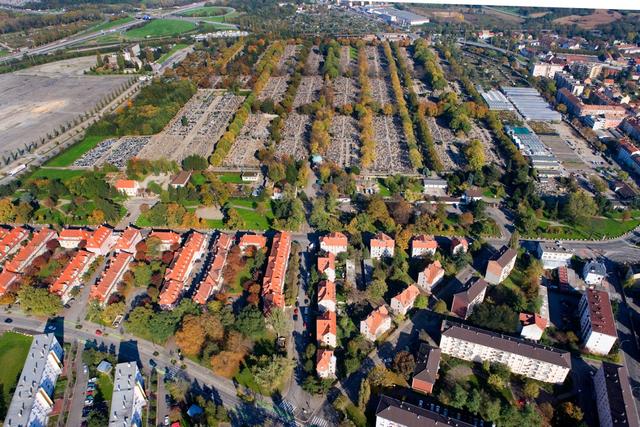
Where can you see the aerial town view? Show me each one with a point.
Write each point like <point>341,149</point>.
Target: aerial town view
<point>318,213</point>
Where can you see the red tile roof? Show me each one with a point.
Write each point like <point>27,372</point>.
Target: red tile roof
<point>111,276</point>
<point>213,279</point>
<point>326,291</point>
<point>177,275</point>
<point>527,319</point>
<point>257,240</point>
<point>335,239</point>
<point>122,184</point>
<point>432,271</point>
<point>273,282</point>
<point>376,318</point>
<point>11,240</point>
<point>381,240</point>
<point>99,237</point>
<point>600,312</point>
<point>167,237</point>
<point>408,296</point>
<point>327,263</point>
<point>323,359</point>
<point>7,281</point>
<point>326,324</point>
<point>72,272</point>
<point>424,242</point>
<point>27,253</point>
<point>75,234</point>
<point>129,237</point>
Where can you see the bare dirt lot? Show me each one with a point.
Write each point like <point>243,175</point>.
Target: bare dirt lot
<point>589,22</point>
<point>36,101</point>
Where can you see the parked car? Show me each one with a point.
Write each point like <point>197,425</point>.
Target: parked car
<point>8,320</point>
<point>166,420</point>
<point>98,332</point>
<point>295,317</point>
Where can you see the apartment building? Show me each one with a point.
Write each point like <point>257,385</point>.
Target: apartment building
<point>32,400</point>
<point>8,281</point>
<point>392,412</point>
<point>594,273</point>
<point>376,323</point>
<point>553,255</point>
<point>525,358</point>
<point>381,246</point>
<point>566,80</point>
<point>212,281</point>
<point>275,275</point>
<point>256,241</point>
<point>631,125</point>
<point>404,301</point>
<point>70,238</point>
<point>128,240</point>
<point>546,69</point>
<point>128,187</point>
<point>578,108</point>
<point>327,266</point>
<point>111,277</point>
<point>101,241</point>
<point>458,245</point>
<point>423,245</point>
<point>499,268</point>
<point>334,243</point>
<point>597,324</point>
<point>128,398</point>
<point>33,249</point>
<point>532,326</point>
<point>430,276</point>
<point>465,301</point>
<point>326,296</point>
<point>72,274</point>
<point>614,397</point>
<point>177,276</point>
<point>10,243</point>
<point>326,329</point>
<point>325,363</point>
<point>425,372</point>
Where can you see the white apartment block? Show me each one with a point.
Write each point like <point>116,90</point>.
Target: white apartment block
<point>553,255</point>
<point>381,246</point>
<point>32,400</point>
<point>614,399</point>
<point>128,396</point>
<point>531,360</point>
<point>546,69</point>
<point>597,325</point>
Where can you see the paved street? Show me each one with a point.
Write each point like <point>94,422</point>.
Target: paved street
<point>77,401</point>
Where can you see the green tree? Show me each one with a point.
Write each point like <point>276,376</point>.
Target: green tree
<point>531,389</point>
<point>377,289</point>
<point>474,154</point>
<point>365,394</point>
<point>39,301</point>
<point>579,207</point>
<point>421,302</point>
<point>250,322</point>
<point>440,307</point>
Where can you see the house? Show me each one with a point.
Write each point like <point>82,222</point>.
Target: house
<point>381,246</point>
<point>129,187</point>
<point>434,186</point>
<point>567,280</point>
<point>257,241</point>
<point>32,401</point>
<point>8,281</point>
<point>425,372</point>
<point>523,357</point>
<point>71,276</point>
<point>181,179</point>
<point>326,296</point>
<point>458,245</point>
<point>430,276</point>
<point>33,249</point>
<point>128,240</point>
<point>614,396</point>
<point>553,255</point>
<point>250,176</point>
<point>423,245</point>
<point>392,412</point>
<point>499,269</point>
<point>594,272</point>
<point>71,238</point>
<point>325,363</point>
<point>168,239</point>
<point>532,326</point>
<point>128,398</point>
<point>376,324</point>
<point>10,243</point>
<point>472,195</point>
<point>212,281</point>
<point>274,277</point>
<point>465,301</point>
<point>176,277</point>
<point>327,266</point>
<point>404,301</point>
<point>326,329</point>
<point>597,325</point>
<point>111,277</point>
<point>101,241</point>
<point>334,243</point>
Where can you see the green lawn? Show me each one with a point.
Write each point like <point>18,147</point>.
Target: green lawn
<point>160,28</point>
<point>384,190</point>
<point>3,52</point>
<point>173,50</point>
<point>246,209</point>
<point>595,228</point>
<point>111,24</point>
<point>207,11</point>
<point>104,386</point>
<point>231,178</point>
<point>13,352</point>
<point>198,179</point>
<point>73,153</point>
<point>62,174</point>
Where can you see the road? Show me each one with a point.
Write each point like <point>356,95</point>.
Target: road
<point>79,389</point>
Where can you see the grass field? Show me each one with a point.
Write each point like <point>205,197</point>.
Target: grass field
<point>207,11</point>
<point>3,52</point>
<point>111,24</point>
<point>160,28</point>
<point>73,153</point>
<point>595,228</point>
<point>13,352</point>
<point>231,178</point>
<point>173,50</point>
<point>62,174</point>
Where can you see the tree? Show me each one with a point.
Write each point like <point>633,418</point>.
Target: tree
<point>250,322</point>
<point>39,301</point>
<point>531,389</point>
<point>191,336</point>
<point>580,206</point>
<point>377,289</point>
<point>569,414</point>
<point>474,154</point>
<point>234,221</point>
<point>365,394</point>
<point>194,162</point>
<point>440,307</point>
<point>421,302</point>
<point>178,389</point>
<point>277,321</point>
<point>514,240</point>
<point>269,371</point>
<point>404,363</point>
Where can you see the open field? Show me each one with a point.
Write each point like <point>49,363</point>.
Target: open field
<point>589,22</point>
<point>13,352</point>
<point>73,153</point>
<point>39,100</point>
<point>160,28</point>
<point>110,24</point>
<point>207,11</point>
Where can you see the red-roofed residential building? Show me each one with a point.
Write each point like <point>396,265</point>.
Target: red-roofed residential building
<point>376,324</point>
<point>326,296</point>
<point>327,266</point>
<point>423,244</point>
<point>326,329</point>
<point>111,276</point>
<point>334,243</point>
<point>277,263</point>
<point>72,275</point>
<point>464,302</point>
<point>10,243</point>
<point>3,232</point>
<point>597,324</point>
<point>458,245</point>
<point>212,281</point>
<point>101,241</point>
<point>381,246</point>
<point>129,187</point>
<point>325,363</point>
<point>128,240</point>
<point>177,276</point>
<point>70,238</point>
<point>36,247</point>
<point>498,269</point>
<point>168,239</point>
<point>532,326</point>
<point>404,301</point>
<point>431,276</point>
<point>257,241</point>
<point>8,281</point>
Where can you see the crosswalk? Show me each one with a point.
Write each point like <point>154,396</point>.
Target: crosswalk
<point>287,406</point>
<point>319,422</point>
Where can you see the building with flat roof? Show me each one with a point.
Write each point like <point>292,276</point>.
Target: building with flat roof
<point>32,400</point>
<point>553,255</point>
<point>597,324</point>
<point>530,104</point>
<point>614,398</point>
<point>128,396</point>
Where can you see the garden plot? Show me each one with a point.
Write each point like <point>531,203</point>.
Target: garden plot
<point>294,137</point>
<point>207,116</point>
<point>308,91</point>
<point>392,153</point>
<point>274,89</point>
<point>344,91</point>
<point>113,151</point>
<point>344,149</point>
<point>346,64</point>
<point>448,151</point>
<point>312,67</point>
<point>253,137</point>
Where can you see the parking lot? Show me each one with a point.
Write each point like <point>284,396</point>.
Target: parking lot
<point>114,151</point>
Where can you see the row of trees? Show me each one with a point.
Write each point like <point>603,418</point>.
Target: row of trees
<point>425,57</point>
<point>363,109</point>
